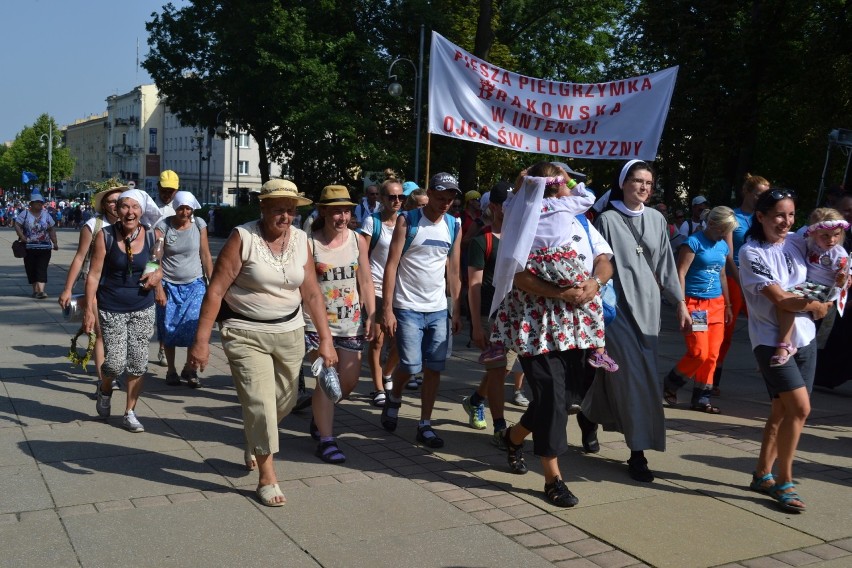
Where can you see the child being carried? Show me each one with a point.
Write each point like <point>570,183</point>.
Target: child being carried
<point>828,265</point>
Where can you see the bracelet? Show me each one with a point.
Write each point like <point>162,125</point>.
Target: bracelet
<point>598,280</point>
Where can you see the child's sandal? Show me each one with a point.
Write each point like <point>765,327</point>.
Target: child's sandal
<point>779,360</point>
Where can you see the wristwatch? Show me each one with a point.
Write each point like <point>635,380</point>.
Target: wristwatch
<point>598,280</point>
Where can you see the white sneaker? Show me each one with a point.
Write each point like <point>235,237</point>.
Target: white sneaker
<point>131,423</point>
<point>520,399</point>
<point>104,403</point>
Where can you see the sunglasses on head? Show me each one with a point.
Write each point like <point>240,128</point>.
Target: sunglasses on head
<point>779,194</point>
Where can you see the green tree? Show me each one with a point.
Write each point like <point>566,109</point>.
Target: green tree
<point>305,90</point>
<point>759,88</point>
<point>29,152</point>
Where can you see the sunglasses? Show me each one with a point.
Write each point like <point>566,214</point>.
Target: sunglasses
<point>395,197</point>
<point>779,194</point>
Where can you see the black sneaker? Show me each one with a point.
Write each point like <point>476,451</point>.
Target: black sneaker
<point>559,494</point>
<point>638,470</point>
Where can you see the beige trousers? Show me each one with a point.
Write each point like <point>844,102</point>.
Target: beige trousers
<point>265,368</point>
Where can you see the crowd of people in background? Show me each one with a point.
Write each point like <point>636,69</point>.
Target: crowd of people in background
<point>70,213</point>
<point>395,271</point>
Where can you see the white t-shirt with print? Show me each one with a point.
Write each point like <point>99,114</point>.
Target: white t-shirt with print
<point>764,264</point>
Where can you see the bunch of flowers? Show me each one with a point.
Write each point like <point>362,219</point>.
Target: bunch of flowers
<point>74,355</point>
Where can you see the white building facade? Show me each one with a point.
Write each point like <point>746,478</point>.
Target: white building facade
<point>134,136</point>
<point>211,168</point>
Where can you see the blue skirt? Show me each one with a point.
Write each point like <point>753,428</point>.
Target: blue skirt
<point>177,322</point>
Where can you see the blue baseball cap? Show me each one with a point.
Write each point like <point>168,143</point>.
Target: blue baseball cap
<point>408,187</point>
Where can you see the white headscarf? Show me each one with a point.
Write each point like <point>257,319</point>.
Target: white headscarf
<point>521,214</point>
<point>624,170</point>
<point>150,211</point>
<point>185,198</point>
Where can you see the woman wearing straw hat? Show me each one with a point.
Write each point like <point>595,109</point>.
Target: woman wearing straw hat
<point>343,271</point>
<point>104,203</point>
<point>262,278</point>
<point>36,228</point>
<point>186,263</point>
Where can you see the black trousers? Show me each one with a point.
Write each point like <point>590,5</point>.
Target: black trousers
<point>556,380</point>
<point>35,263</point>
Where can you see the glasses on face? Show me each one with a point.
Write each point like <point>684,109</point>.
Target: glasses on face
<point>372,194</point>
<point>395,197</point>
<point>642,182</point>
<point>779,194</point>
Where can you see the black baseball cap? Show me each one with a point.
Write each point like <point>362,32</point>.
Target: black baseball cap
<point>443,181</point>
<point>499,192</point>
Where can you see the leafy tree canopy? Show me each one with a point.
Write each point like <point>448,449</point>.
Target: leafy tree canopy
<point>29,152</point>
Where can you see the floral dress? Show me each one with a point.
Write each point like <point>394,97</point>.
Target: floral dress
<point>534,325</point>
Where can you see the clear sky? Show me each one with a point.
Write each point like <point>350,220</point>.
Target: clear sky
<point>65,57</point>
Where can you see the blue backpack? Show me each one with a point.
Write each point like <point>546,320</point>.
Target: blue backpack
<point>413,219</point>
<point>609,298</point>
<point>377,231</point>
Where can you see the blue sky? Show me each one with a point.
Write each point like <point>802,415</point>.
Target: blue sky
<point>65,57</point>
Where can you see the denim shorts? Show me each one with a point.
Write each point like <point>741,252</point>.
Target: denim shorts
<point>421,340</point>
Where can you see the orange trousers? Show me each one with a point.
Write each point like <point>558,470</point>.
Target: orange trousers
<point>735,293</point>
<point>702,347</point>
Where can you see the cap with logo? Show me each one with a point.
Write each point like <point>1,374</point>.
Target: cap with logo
<point>443,181</point>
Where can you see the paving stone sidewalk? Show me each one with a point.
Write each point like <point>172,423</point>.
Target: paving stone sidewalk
<point>77,491</point>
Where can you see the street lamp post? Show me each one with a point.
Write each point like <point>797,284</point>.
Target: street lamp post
<point>221,132</point>
<point>395,89</point>
<point>48,139</point>
<point>198,137</point>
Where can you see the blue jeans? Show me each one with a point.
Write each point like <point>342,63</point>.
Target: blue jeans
<point>421,339</point>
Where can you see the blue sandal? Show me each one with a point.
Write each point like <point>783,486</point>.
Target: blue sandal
<point>329,452</point>
<point>759,483</point>
<point>786,498</point>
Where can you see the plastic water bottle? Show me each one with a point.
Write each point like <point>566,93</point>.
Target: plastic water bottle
<point>154,260</point>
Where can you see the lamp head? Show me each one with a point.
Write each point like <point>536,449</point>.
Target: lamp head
<point>395,89</point>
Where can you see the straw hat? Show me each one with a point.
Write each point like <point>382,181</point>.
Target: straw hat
<point>98,198</point>
<point>335,195</point>
<point>283,188</point>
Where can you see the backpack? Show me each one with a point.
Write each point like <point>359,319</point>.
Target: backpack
<point>109,237</point>
<point>87,262</point>
<point>609,298</point>
<point>413,219</point>
<point>377,231</point>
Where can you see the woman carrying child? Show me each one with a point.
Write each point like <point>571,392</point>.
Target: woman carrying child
<point>821,243</point>
<point>546,323</point>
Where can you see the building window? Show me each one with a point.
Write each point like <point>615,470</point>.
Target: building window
<point>243,167</point>
<point>243,140</point>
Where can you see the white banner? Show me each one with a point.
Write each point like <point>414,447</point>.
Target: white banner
<point>476,101</point>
